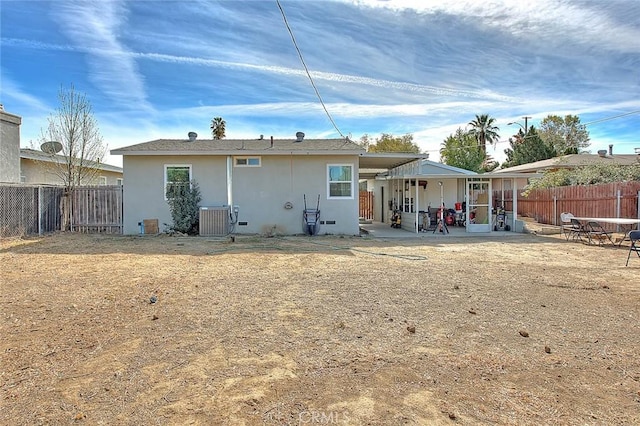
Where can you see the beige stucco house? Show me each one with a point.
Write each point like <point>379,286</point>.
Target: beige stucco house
<point>37,167</point>
<point>263,182</point>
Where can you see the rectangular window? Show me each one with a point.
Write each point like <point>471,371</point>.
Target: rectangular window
<point>247,161</point>
<point>340,181</point>
<point>119,181</point>
<point>102,180</point>
<point>177,178</point>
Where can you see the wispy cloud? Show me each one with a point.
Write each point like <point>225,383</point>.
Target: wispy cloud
<point>120,55</point>
<point>11,90</point>
<point>552,20</point>
<point>93,27</point>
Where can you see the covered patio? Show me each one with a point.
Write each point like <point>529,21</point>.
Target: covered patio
<point>418,195</point>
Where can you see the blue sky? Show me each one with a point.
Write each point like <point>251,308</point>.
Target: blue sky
<point>159,69</point>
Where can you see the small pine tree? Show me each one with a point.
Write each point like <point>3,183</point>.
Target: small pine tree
<point>184,204</point>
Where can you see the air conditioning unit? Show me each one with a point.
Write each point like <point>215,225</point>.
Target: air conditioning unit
<point>214,221</point>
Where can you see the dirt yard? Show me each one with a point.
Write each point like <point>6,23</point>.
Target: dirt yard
<point>524,330</point>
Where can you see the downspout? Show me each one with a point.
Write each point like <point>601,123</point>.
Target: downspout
<point>416,206</point>
<point>230,181</point>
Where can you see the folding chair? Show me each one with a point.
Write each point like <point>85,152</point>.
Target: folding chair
<point>567,228</point>
<point>577,230</point>
<point>634,236</point>
<point>596,232</point>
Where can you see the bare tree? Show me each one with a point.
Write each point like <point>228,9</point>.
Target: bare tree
<point>74,126</point>
<point>74,131</point>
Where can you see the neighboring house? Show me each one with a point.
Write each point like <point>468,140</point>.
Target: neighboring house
<point>9,147</point>
<point>569,162</point>
<point>266,179</point>
<point>37,167</point>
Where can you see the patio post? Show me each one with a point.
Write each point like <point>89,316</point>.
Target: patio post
<point>515,203</point>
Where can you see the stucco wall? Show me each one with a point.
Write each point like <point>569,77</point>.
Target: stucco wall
<point>9,147</point>
<point>259,192</point>
<point>39,172</point>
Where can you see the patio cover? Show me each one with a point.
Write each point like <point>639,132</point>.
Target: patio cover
<point>373,163</point>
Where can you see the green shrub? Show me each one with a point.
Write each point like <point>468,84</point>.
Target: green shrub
<point>184,204</point>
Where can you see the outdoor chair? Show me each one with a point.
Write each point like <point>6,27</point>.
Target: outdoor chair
<point>634,236</point>
<point>596,232</point>
<point>577,230</point>
<point>567,228</point>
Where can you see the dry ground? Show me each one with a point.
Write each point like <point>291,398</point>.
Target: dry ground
<point>317,331</point>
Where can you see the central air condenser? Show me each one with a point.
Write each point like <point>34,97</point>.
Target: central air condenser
<point>214,221</point>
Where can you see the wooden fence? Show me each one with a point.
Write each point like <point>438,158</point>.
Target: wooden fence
<point>366,205</point>
<point>618,199</point>
<point>96,209</point>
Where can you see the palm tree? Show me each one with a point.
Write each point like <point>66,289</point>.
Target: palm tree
<point>218,128</point>
<point>484,131</point>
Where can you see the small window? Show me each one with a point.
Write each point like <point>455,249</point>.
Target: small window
<point>340,181</point>
<point>177,178</point>
<point>102,180</point>
<point>119,181</point>
<point>247,161</point>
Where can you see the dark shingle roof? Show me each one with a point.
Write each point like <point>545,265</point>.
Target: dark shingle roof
<point>238,146</point>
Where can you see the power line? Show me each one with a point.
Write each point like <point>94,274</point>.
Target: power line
<point>295,44</point>
<point>612,118</point>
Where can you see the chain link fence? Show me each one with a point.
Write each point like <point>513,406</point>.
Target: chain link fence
<point>29,210</point>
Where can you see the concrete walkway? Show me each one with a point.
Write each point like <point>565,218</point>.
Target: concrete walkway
<point>384,230</point>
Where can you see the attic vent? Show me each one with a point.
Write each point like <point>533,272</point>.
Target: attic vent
<point>299,136</point>
<point>192,136</point>
<point>602,152</point>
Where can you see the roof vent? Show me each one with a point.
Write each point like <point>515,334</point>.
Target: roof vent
<point>299,136</point>
<point>192,136</point>
<point>602,152</point>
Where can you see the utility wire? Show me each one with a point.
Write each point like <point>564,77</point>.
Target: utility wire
<point>612,118</point>
<point>295,44</point>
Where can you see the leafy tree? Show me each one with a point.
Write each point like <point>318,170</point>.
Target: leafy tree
<point>218,128</point>
<point>527,149</point>
<point>565,135</point>
<point>461,150</point>
<point>74,126</point>
<point>184,204</point>
<point>483,130</point>
<point>389,143</point>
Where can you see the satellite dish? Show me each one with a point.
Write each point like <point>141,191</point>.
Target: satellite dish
<point>51,147</point>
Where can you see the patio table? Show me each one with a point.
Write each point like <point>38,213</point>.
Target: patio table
<point>625,223</point>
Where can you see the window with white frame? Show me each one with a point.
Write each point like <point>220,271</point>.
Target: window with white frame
<point>177,178</point>
<point>340,181</point>
<point>247,161</point>
<point>102,180</point>
<point>119,181</point>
